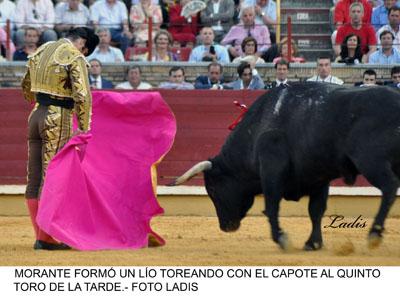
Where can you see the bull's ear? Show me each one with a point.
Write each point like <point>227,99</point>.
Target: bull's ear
<point>197,168</point>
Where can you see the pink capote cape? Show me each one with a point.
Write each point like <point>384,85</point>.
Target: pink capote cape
<point>98,191</point>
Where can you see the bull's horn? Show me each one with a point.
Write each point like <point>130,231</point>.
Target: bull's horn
<point>197,168</point>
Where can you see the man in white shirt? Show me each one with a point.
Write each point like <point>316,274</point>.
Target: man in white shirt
<point>134,76</point>
<point>71,14</point>
<point>38,14</point>
<point>324,70</point>
<point>104,51</point>
<point>113,15</point>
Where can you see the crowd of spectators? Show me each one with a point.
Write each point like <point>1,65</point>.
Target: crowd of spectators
<point>238,31</point>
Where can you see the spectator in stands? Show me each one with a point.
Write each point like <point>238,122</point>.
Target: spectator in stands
<point>324,70</point>
<point>249,49</point>
<point>387,54</point>
<point>104,51</point>
<point>70,14</point>
<point>139,17</point>
<point>162,53</point>
<point>209,51</point>
<point>38,14</point>
<point>369,78</point>
<point>96,81</point>
<point>3,46</point>
<point>364,31</point>
<point>183,30</point>
<point>176,80</point>
<point>265,14</point>
<point>283,52</point>
<point>393,26</point>
<point>247,27</point>
<point>282,71</point>
<point>380,14</point>
<point>248,78</point>
<point>350,50</point>
<point>341,15</point>
<point>219,16</point>
<point>395,76</point>
<point>112,14</point>
<point>134,80</point>
<point>214,79</point>
<point>31,41</point>
<point>7,12</point>
<point>342,12</point>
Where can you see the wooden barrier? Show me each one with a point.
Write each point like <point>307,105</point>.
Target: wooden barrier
<point>202,116</point>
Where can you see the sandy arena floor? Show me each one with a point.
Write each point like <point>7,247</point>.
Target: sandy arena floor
<point>197,240</point>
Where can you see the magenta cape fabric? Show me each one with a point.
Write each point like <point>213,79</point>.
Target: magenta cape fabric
<point>98,190</point>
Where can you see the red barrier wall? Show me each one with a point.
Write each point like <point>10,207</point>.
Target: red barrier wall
<point>202,116</point>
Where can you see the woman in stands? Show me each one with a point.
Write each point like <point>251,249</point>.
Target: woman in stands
<point>162,53</point>
<point>350,52</point>
<point>249,49</point>
<point>283,52</point>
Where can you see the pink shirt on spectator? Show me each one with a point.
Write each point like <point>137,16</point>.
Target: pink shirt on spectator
<point>3,40</point>
<point>366,34</point>
<point>237,33</point>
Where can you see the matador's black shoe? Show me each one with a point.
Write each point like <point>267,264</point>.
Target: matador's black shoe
<point>39,244</point>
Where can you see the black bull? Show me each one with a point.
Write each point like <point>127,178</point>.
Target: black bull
<point>293,142</point>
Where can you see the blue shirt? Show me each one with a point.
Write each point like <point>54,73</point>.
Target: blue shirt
<point>379,16</point>
<point>379,58</point>
<point>198,52</point>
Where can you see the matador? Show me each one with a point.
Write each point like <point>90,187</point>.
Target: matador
<point>56,82</point>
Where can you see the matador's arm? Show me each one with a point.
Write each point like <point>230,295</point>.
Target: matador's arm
<point>81,92</point>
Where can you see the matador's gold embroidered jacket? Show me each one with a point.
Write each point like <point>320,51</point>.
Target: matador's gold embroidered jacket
<point>59,69</point>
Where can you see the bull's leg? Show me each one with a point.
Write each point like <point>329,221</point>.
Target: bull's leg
<point>381,175</point>
<point>316,210</point>
<point>273,163</point>
<point>272,212</point>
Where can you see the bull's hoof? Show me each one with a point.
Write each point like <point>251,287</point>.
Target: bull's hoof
<point>375,236</point>
<point>311,246</point>
<point>284,242</point>
<point>374,240</point>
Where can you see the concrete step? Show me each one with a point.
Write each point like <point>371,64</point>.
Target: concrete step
<point>312,41</point>
<point>300,14</point>
<point>311,55</point>
<point>308,27</point>
<point>307,3</point>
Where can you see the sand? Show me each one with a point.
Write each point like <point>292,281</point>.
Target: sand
<point>197,240</point>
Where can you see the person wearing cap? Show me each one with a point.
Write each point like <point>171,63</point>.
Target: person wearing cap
<point>56,82</point>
